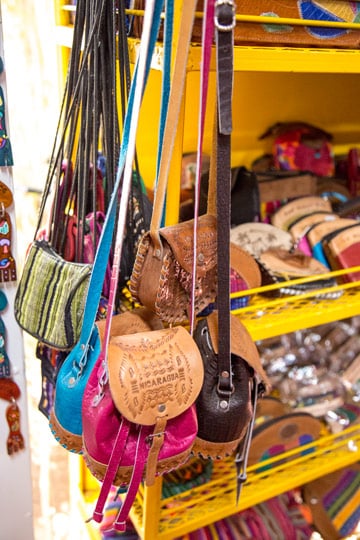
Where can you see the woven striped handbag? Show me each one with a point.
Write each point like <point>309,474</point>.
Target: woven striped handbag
<point>50,297</point>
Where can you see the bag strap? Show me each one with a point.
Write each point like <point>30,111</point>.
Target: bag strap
<point>224,33</point>
<point>152,19</point>
<point>70,102</point>
<point>143,452</point>
<point>176,95</point>
<point>208,33</point>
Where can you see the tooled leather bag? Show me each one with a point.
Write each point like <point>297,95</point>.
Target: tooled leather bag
<point>162,278</point>
<point>139,417</point>
<point>223,420</point>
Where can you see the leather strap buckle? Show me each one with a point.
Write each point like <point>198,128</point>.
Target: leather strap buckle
<point>225,15</point>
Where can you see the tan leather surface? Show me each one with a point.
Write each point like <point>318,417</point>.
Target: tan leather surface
<point>297,208</point>
<point>257,237</point>
<point>130,322</point>
<point>180,237</point>
<point>245,265</point>
<point>286,188</point>
<point>295,264</point>
<point>345,239</point>
<point>318,232</point>
<point>154,374</point>
<point>300,227</point>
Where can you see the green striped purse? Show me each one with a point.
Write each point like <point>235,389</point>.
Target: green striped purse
<point>50,297</point>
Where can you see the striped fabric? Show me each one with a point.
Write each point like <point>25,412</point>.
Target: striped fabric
<point>50,297</point>
<point>342,503</point>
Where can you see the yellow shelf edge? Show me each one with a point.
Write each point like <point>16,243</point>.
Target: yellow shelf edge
<point>200,506</point>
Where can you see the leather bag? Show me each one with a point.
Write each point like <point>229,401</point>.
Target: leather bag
<point>223,420</point>
<point>164,268</point>
<point>255,238</point>
<point>298,208</point>
<point>142,422</point>
<point>278,265</point>
<point>162,274</point>
<point>319,231</point>
<point>342,250</point>
<point>138,412</point>
<point>65,418</point>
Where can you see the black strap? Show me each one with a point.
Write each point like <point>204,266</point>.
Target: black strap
<point>224,24</point>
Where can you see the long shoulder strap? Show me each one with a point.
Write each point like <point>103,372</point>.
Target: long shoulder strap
<point>224,25</point>
<point>150,32</point>
<point>207,40</point>
<point>176,94</point>
<point>169,131</point>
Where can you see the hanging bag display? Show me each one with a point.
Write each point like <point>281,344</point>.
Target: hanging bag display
<point>65,418</point>
<point>141,422</point>
<point>233,377</point>
<point>50,297</point>
<point>139,418</point>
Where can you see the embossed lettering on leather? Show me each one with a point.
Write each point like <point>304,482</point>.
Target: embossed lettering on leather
<point>291,211</point>
<point>154,374</point>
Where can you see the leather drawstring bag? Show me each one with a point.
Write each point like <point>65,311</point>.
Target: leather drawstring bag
<point>65,418</point>
<point>162,278</point>
<point>139,418</point>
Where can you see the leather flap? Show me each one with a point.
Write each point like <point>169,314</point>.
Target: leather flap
<point>317,233</point>
<point>242,343</point>
<point>300,226</point>
<point>180,237</point>
<point>294,264</point>
<point>245,265</point>
<point>156,374</point>
<point>347,238</point>
<point>291,211</point>
<point>258,237</point>
<point>133,321</point>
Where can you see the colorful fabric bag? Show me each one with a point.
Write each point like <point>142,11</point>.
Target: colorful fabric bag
<point>50,298</point>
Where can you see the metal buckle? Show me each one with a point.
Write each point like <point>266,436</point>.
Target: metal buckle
<point>225,27</point>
